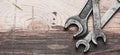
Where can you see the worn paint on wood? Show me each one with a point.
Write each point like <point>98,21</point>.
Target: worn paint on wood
<point>43,14</point>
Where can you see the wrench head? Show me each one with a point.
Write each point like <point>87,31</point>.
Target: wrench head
<point>85,43</point>
<point>94,37</point>
<point>80,23</point>
<point>73,21</point>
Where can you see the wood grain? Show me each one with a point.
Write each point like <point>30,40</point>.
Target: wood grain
<point>54,43</point>
<point>47,13</point>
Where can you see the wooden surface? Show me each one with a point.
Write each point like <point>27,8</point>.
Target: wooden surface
<point>43,14</point>
<point>54,43</point>
<point>39,25</point>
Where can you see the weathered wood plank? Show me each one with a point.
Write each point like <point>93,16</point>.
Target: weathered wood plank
<point>59,44</point>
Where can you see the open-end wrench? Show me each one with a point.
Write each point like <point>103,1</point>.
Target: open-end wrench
<point>80,20</point>
<point>107,16</point>
<point>97,32</point>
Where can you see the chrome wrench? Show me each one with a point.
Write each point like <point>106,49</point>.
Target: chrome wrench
<point>107,16</point>
<point>97,32</point>
<point>80,20</point>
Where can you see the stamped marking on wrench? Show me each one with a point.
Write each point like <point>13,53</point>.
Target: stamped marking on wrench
<point>107,16</point>
<point>81,20</point>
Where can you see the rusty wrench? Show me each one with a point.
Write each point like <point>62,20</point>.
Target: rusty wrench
<point>107,16</point>
<point>80,20</point>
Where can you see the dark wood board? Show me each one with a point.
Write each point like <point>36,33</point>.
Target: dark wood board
<point>54,43</point>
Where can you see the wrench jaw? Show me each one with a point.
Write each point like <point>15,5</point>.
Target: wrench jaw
<point>118,1</point>
<point>85,29</point>
<point>81,24</point>
<point>85,43</point>
<point>94,37</point>
<point>73,21</point>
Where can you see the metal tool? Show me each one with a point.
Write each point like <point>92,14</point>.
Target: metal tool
<point>97,32</point>
<point>80,20</point>
<point>107,16</point>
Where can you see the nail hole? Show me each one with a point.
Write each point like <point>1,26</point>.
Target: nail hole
<point>53,23</point>
<point>55,13</point>
<point>53,18</point>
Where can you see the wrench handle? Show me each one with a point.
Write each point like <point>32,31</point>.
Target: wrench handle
<point>108,15</point>
<point>96,16</point>
<point>86,10</point>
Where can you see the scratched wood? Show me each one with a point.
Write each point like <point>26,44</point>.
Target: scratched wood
<point>39,28</point>
<point>54,43</point>
<point>44,14</point>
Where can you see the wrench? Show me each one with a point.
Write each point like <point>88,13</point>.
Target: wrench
<point>107,16</point>
<point>97,32</point>
<point>80,20</point>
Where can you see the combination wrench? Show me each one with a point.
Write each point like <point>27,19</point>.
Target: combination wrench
<point>107,16</point>
<point>80,20</point>
<point>97,32</point>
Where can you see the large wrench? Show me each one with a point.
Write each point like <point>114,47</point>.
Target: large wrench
<point>80,20</point>
<point>97,32</point>
<point>107,16</point>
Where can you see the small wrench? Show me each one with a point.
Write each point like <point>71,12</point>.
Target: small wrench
<point>80,20</point>
<point>107,16</point>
